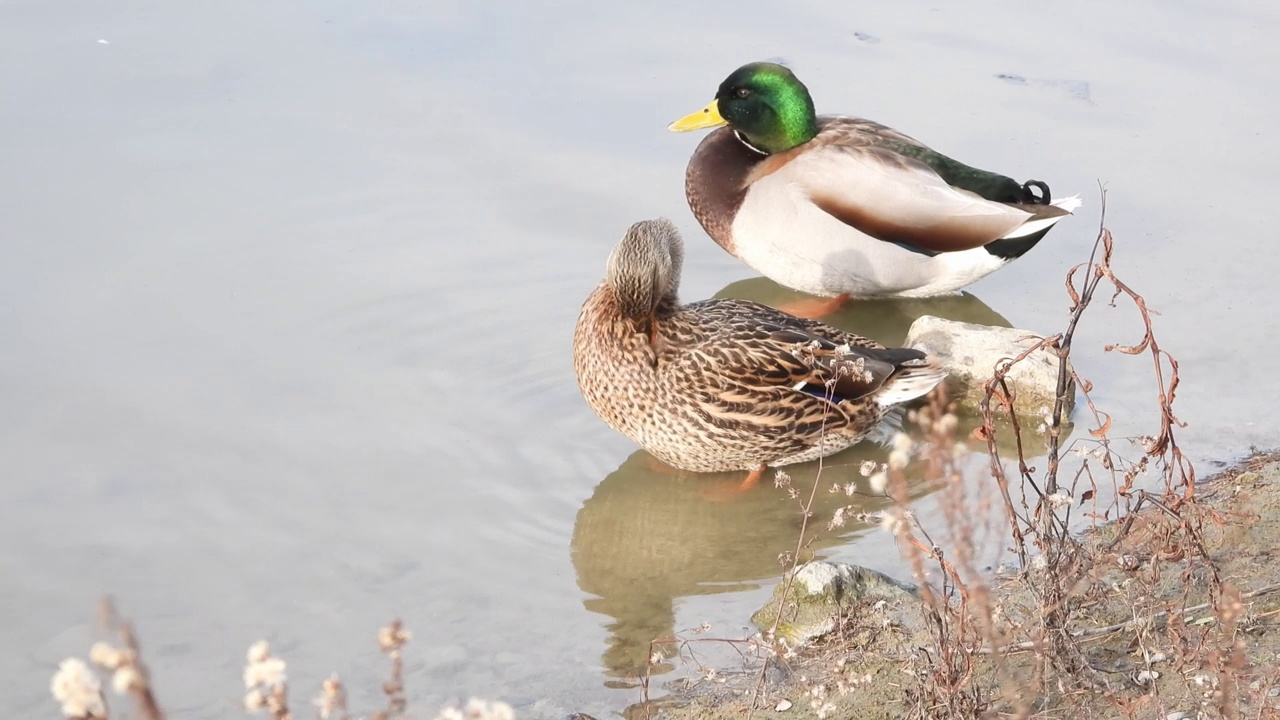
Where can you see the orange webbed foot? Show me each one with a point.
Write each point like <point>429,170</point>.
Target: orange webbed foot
<point>723,492</point>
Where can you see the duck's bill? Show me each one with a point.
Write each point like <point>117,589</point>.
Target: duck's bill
<point>707,117</point>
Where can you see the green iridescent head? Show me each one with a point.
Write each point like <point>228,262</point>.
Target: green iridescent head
<point>765,103</point>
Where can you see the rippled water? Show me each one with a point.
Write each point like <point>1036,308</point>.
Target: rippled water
<point>288,291</point>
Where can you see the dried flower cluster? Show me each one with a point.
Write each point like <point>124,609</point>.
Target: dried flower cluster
<point>126,675</point>
<point>78,688</point>
<point>476,709</point>
<point>332,702</point>
<point>265,682</point>
<point>78,691</point>
<point>391,640</point>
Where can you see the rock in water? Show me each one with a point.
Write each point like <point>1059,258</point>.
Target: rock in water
<point>969,353</point>
<point>821,594</point>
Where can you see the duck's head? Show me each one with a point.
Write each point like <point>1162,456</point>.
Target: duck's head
<point>765,104</point>
<point>644,267</point>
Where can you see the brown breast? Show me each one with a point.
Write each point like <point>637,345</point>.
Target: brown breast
<point>716,181</point>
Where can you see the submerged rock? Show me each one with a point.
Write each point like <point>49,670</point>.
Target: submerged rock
<point>970,353</point>
<point>823,593</point>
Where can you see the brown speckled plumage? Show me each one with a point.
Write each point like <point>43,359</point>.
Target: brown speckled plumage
<point>722,385</point>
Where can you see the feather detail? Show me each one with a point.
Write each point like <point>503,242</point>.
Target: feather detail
<point>727,384</point>
<point>864,210</point>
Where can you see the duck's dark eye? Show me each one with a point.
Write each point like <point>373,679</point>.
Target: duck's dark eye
<point>741,92</point>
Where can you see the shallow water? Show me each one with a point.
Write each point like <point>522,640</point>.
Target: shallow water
<point>288,293</point>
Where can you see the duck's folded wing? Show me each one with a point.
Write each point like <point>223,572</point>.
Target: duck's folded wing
<point>769,356</point>
<point>899,199</point>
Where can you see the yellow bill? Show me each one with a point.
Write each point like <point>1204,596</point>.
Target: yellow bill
<point>707,117</point>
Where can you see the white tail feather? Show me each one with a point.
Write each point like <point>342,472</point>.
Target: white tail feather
<point>1070,204</point>
<point>911,382</point>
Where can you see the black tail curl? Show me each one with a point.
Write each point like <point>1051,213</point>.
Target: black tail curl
<point>1030,197</point>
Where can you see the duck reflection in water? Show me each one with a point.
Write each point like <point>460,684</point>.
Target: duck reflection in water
<point>647,537</point>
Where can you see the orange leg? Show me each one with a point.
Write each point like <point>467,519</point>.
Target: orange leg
<point>728,491</point>
<point>814,308</point>
<point>752,479</point>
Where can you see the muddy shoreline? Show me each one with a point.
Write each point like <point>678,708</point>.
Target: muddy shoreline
<point>1148,664</point>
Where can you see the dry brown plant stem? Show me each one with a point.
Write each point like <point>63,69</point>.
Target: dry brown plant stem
<point>391,640</point>
<point>806,513</point>
<point>139,686</point>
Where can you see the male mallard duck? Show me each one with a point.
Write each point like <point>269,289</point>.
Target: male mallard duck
<point>844,207</point>
<point>724,384</point>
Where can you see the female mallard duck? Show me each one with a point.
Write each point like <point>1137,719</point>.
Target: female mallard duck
<point>844,207</point>
<point>722,384</point>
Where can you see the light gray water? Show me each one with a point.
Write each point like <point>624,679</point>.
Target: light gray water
<point>287,291</point>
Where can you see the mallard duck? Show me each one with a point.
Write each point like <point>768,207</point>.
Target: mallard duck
<point>843,207</point>
<point>725,384</point>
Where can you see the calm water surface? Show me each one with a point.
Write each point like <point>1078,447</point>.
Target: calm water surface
<point>288,291</point>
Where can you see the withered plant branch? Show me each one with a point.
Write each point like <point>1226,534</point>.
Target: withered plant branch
<point>140,689</point>
<point>945,668</point>
<point>684,644</point>
<point>391,640</point>
<point>805,514</point>
<point>1184,523</point>
<point>1144,497</point>
<point>1049,526</point>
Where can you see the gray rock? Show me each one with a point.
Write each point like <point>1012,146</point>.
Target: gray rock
<point>970,353</point>
<point>821,594</point>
